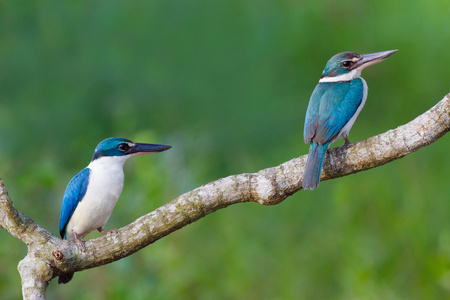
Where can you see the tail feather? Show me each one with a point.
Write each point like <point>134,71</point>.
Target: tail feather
<point>65,278</point>
<point>311,176</point>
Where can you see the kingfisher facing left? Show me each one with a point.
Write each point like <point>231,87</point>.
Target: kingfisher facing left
<point>91,195</point>
<point>334,106</point>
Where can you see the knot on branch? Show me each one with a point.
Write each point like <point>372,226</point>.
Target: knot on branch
<point>58,255</point>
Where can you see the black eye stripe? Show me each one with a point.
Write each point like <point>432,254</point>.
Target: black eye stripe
<point>346,64</point>
<point>124,147</point>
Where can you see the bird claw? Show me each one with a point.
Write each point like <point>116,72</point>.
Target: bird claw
<point>80,242</point>
<point>82,245</point>
<point>346,143</point>
<point>103,231</point>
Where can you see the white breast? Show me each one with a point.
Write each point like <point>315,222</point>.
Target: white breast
<point>105,186</point>
<point>346,129</point>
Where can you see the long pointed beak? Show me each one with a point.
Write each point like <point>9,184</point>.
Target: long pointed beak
<point>372,58</point>
<point>143,149</point>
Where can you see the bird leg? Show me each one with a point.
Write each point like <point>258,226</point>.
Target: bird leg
<point>101,230</point>
<point>347,142</point>
<point>79,241</point>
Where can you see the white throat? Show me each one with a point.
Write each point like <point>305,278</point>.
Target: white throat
<point>344,77</point>
<point>108,162</point>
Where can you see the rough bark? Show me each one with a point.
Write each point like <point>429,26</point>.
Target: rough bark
<point>49,256</point>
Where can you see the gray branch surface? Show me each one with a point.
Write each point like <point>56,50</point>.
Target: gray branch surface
<point>49,256</point>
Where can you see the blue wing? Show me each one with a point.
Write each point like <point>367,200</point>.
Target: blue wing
<point>75,191</point>
<point>331,106</point>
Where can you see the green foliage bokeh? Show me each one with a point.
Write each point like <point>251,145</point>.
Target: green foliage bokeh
<point>227,83</point>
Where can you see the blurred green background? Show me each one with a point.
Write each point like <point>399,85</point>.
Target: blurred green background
<point>227,83</point>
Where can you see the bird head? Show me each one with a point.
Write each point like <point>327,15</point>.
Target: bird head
<point>348,65</point>
<point>117,146</point>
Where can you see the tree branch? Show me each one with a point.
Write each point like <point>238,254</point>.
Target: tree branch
<point>9,215</point>
<point>49,257</point>
<point>268,187</point>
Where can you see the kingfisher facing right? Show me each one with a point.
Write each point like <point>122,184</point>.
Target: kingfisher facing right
<point>91,195</point>
<point>334,106</point>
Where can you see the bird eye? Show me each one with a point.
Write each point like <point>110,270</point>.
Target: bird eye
<point>346,64</point>
<point>124,147</point>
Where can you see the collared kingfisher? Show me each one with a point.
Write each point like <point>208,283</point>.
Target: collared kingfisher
<point>334,106</point>
<point>91,195</point>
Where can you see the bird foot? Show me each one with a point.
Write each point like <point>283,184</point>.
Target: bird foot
<point>80,242</point>
<point>346,143</point>
<point>103,231</point>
